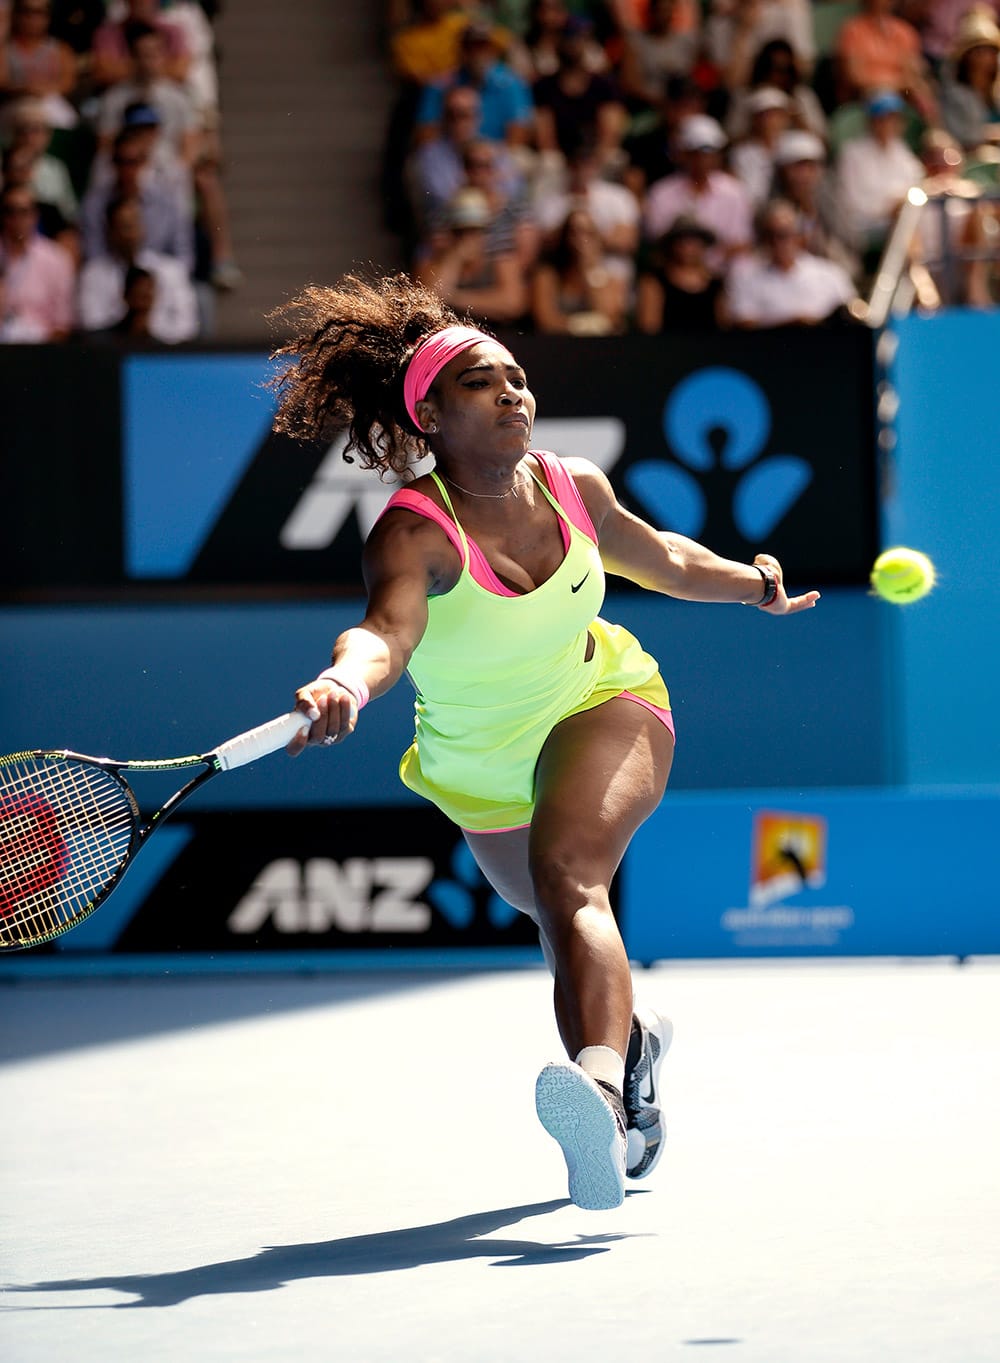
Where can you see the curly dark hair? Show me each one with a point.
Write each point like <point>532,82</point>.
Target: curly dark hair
<point>345,361</point>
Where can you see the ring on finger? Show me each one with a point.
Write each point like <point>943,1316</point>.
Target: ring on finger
<point>328,741</point>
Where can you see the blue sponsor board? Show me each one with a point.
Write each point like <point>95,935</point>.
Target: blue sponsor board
<point>943,491</point>
<point>824,873</point>
<point>733,440</point>
<point>727,452</point>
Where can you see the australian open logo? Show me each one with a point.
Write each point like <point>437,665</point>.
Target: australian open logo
<point>788,858</point>
<point>717,424</point>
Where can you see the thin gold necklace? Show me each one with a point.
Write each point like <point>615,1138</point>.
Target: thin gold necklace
<point>493,496</point>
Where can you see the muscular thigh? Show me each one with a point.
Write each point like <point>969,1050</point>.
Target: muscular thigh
<point>601,773</point>
<point>503,860</point>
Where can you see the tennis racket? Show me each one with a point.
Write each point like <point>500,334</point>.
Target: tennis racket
<point>70,826</point>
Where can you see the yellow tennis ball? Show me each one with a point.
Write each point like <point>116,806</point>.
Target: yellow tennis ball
<point>902,575</point>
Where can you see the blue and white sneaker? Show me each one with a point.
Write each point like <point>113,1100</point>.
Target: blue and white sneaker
<point>587,1118</point>
<point>646,1133</point>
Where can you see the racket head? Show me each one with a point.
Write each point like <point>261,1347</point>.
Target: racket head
<point>68,827</point>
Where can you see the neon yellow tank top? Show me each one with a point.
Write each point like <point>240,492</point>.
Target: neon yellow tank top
<point>494,674</point>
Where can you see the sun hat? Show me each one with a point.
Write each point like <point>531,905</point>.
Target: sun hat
<point>976,28</point>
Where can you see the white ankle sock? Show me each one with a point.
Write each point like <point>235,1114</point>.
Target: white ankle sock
<point>602,1062</point>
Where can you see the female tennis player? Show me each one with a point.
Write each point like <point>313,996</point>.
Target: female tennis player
<point>541,730</point>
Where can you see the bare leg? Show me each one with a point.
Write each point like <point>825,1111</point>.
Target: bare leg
<point>600,775</point>
<point>503,860</point>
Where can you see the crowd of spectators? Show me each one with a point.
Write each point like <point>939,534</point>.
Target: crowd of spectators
<point>598,166</point>
<point>113,219</point>
<point>579,166</point>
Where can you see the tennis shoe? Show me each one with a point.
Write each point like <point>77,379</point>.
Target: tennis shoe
<point>646,1133</point>
<point>587,1119</point>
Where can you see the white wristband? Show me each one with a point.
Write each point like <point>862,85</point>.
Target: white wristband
<point>357,688</point>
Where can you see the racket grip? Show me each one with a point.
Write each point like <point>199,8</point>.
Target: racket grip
<point>266,738</point>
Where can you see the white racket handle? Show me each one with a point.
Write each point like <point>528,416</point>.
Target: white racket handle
<point>266,738</point>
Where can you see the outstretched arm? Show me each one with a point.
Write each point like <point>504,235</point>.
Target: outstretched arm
<point>664,562</point>
<point>405,560</point>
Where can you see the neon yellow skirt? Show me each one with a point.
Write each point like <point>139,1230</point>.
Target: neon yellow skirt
<point>493,788</point>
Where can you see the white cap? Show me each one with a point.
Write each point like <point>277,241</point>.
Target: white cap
<point>765,98</point>
<point>797,145</point>
<point>699,132</point>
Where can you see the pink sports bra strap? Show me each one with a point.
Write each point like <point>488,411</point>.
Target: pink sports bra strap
<point>566,492</point>
<point>408,500</point>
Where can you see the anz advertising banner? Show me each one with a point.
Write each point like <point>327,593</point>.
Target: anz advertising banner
<point>169,476</point>
<point>299,882</point>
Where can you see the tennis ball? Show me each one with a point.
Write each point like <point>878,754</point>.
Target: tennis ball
<point>902,575</point>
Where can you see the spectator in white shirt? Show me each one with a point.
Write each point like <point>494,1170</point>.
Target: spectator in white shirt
<point>874,174</point>
<point>612,208</point>
<point>783,285</point>
<point>102,302</point>
<point>802,177</point>
<point>752,160</point>
<point>166,208</point>
<point>701,190</point>
<point>162,163</point>
<point>150,85</point>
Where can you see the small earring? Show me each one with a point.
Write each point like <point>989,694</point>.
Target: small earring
<point>432,430</point>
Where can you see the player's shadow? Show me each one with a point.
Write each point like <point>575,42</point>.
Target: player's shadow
<point>382,1252</point>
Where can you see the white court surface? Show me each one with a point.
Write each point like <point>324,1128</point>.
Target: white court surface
<point>349,1167</point>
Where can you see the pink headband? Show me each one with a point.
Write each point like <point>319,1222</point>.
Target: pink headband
<point>430,357</point>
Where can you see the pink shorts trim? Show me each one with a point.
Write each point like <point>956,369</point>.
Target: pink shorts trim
<point>487,832</point>
<point>664,716</point>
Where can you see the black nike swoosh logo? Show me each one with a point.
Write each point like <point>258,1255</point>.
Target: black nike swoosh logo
<point>649,1097</point>
<point>580,583</point>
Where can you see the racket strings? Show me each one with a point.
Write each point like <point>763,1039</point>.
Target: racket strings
<point>66,827</point>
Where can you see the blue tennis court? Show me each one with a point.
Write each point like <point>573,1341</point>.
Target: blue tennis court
<point>350,1165</point>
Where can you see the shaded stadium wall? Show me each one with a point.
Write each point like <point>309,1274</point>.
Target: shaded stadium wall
<point>206,568</point>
